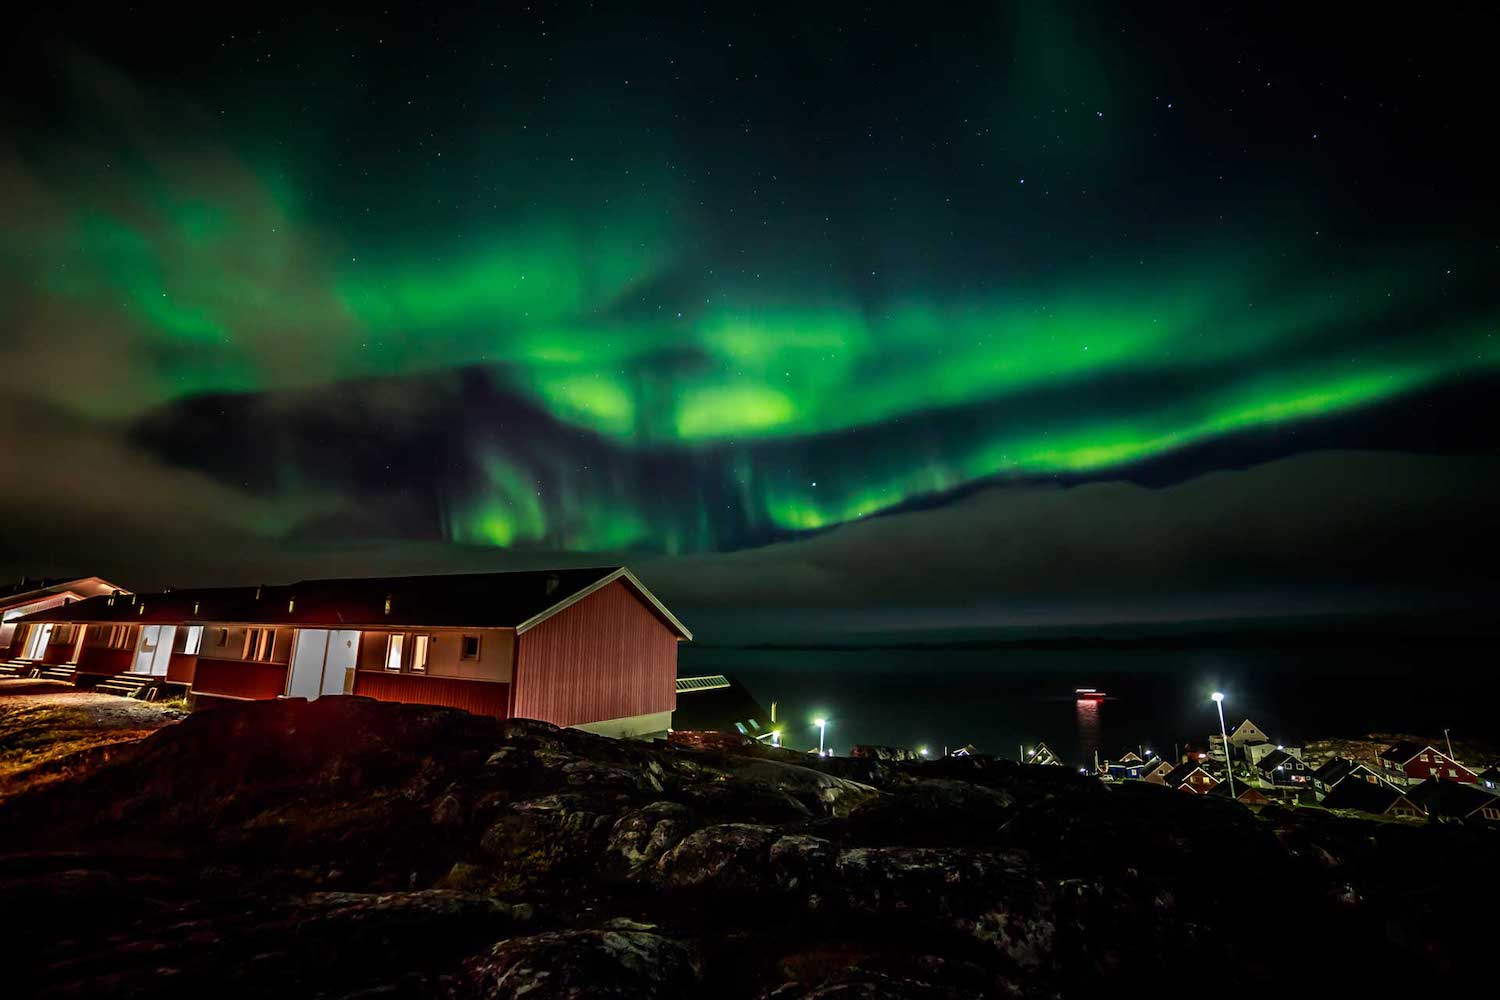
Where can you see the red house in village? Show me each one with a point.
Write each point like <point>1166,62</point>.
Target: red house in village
<point>588,648</point>
<point>1407,763</point>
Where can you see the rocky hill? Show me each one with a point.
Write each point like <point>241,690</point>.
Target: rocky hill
<point>347,848</point>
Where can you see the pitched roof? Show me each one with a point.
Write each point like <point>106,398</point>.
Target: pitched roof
<point>1405,750</point>
<point>27,591</point>
<point>1365,796</point>
<point>1333,770</point>
<point>1242,792</point>
<point>1180,773</point>
<point>1275,759</point>
<point>517,600</point>
<point>1458,799</point>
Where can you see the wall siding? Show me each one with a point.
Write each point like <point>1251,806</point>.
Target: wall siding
<point>239,678</point>
<point>607,657</point>
<point>475,697</point>
<point>105,661</point>
<point>181,668</point>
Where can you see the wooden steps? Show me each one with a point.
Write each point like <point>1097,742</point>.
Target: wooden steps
<point>129,686</point>
<point>15,668</point>
<point>55,673</point>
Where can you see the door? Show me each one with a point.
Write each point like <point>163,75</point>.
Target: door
<point>308,654</point>
<point>37,640</point>
<point>320,662</point>
<point>343,653</point>
<point>154,651</point>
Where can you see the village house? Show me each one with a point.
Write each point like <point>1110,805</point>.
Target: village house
<point>1039,754</point>
<point>1244,794</point>
<point>1129,766</point>
<point>1378,798</point>
<point>1407,763</point>
<point>1158,772</point>
<point>27,647</point>
<point>1335,770</point>
<point>1191,777</point>
<point>1281,768</point>
<point>1490,778</point>
<point>1446,799</point>
<point>587,648</point>
<point>1245,734</point>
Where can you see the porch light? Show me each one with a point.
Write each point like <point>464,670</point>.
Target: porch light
<point>195,607</point>
<point>291,605</point>
<point>141,609</point>
<point>387,603</point>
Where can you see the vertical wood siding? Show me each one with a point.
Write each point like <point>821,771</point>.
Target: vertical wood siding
<point>606,657</point>
<point>239,678</point>
<point>475,697</point>
<point>181,667</point>
<point>105,661</point>
<point>57,652</point>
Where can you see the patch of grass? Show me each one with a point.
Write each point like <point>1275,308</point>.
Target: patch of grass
<point>50,736</point>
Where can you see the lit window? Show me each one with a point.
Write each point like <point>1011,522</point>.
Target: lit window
<point>393,652</point>
<point>258,644</point>
<point>470,647</point>
<point>194,639</point>
<point>419,654</point>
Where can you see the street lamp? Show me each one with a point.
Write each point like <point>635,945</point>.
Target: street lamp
<point>822,725</point>
<point>1218,697</point>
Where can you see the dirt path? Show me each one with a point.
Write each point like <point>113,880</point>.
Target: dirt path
<point>50,731</point>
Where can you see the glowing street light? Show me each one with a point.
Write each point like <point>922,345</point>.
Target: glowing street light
<point>822,725</point>
<point>1218,697</point>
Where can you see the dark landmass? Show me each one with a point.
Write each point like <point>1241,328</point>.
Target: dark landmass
<point>348,848</point>
<point>1453,630</point>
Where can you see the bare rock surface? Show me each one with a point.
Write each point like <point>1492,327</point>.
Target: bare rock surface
<point>348,848</point>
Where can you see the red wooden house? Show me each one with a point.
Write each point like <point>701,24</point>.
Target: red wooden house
<point>590,648</point>
<point>1407,763</point>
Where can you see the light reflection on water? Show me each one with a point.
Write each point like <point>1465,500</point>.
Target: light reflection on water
<point>1086,710</point>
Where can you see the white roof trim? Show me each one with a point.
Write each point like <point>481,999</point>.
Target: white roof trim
<point>623,573</point>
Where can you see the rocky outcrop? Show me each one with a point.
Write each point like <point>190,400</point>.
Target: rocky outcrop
<point>348,848</point>
<point>564,965</point>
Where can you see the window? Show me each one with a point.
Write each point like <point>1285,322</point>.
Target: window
<point>194,639</point>
<point>120,637</point>
<point>470,648</point>
<point>223,637</point>
<point>393,652</point>
<point>419,653</point>
<point>259,643</point>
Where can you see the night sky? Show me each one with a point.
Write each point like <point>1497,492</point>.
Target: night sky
<point>822,317</point>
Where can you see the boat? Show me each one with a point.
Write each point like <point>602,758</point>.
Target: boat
<point>1088,694</point>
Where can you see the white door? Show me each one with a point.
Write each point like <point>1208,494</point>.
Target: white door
<point>154,651</point>
<point>343,653</point>
<point>165,639</point>
<point>308,654</point>
<point>37,640</point>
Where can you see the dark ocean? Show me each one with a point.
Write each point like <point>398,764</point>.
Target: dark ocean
<point>1002,697</point>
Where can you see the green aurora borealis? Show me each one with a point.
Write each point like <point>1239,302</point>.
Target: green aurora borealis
<point>720,325</point>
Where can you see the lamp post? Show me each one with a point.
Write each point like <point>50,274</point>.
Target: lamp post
<point>1218,697</point>
<point>822,725</point>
